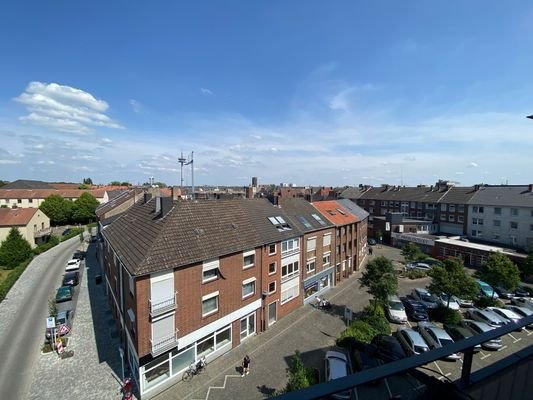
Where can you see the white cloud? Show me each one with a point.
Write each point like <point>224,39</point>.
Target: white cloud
<point>135,105</point>
<point>64,108</point>
<point>9,162</point>
<point>472,165</point>
<point>43,162</point>
<point>106,140</point>
<point>206,91</point>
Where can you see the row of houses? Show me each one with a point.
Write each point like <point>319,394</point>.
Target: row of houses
<point>187,279</point>
<point>496,214</point>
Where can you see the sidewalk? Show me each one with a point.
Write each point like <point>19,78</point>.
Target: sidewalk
<point>308,330</point>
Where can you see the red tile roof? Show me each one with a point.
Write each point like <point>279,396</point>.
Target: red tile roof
<point>44,193</point>
<point>16,216</point>
<point>334,212</point>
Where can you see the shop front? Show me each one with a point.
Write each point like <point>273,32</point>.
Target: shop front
<point>318,284</point>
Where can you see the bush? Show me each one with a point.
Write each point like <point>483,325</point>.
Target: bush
<point>14,249</point>
<point>416,274</point>
<point>300,376</point>
<point>375,309</point>
<point>52,242</point>
<point>485,301</point>
<point>6,285</point>
<point>360,330</point>
<point>73,232</point>
<point>379,323</point>
<point>446,315</point>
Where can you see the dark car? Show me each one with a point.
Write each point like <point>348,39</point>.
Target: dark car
<point>415,310</point>
<point>66,232</point>
<point>458,333</point>
<point>503,292</point>
<point>71,278</point>
<point>389,348</point>
<point>371,241</point>
<point>64,293</point>
<point>78,255</point>
<point>522,291</point>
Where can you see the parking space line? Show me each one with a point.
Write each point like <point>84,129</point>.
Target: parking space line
<point>356,394</point>
<point>437,365</point>
<point>461,360</point>
<point>512,337</point>
<point>502,348</point>
<point>484,356</point>
<point>388,388</point>
<point>409,324</point>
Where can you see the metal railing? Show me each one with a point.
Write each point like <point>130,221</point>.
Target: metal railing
<point>164,343</point>
<point>162,306</point>
<point>396,367</point>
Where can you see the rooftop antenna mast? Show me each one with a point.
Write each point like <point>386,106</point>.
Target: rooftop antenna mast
<point>191,162</point>
<point>182,160</point>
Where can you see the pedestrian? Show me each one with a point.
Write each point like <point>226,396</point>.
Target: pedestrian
<point>370,250</point>
<point>246,365</point>
<point>318,302</point>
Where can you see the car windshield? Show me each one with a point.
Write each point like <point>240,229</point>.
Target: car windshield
<point>445,342</point>
<point>395,305</point>
<point>427,297</point>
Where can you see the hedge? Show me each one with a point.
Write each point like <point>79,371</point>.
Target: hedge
<point>73,232</point>
<point>6,285</point>
<point>52,242</point>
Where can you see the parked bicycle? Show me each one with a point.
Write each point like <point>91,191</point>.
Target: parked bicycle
<point>195,369</point>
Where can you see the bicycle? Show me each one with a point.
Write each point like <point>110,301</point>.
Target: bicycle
<point>195,368</point>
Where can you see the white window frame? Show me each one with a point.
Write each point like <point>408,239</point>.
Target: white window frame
<point>275,268</point>
<point>275,287</point>
<point>247,282</point>
<point>328,255</point>
<point>208,266</point>
<point>275,249</point>
<point>209,297</point>
<point>327,240</point>
<point>246,254</point>
<point>311,244</point>
<point>309,262</point>
<point>292,287</point>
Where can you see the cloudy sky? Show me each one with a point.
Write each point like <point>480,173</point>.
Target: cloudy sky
<point>309,92</point>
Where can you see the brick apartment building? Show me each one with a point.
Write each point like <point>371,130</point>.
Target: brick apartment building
<point>192,279</point>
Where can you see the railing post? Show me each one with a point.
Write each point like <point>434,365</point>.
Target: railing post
<point>467,366</point>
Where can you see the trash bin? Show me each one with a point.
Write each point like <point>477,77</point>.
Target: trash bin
<point>98,279</point>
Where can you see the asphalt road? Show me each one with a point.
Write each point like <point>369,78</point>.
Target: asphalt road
<point>21,341</point>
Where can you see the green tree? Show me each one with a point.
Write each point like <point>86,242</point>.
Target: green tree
<point>87,181</point>
<point>84,208</point>
<point>526,267</point>
<point>14,249</point>
<point>114,183</point>
<point>83,187</point>
<point>299,376</point>
<point>452,280</point>
<point>411,252</point>
<point>499,270</point>
<point>58,209</point>
<point>125,183</point>
<point>379,279</point>
<point>3,183</point>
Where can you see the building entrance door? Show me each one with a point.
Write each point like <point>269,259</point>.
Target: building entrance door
<point>272,313</point>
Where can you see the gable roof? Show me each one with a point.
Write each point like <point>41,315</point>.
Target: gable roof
<point>113,202</point>
<point>191,232</point>
<point>507,196</point>
<point>16,216</point>
<point>44,193</point>
<point>336,213</point>
<point>300,213</point>
<point>359,212</point>
<point>27,184</point>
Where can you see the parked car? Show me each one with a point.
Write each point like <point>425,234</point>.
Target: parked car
<point>64,293</point>
<point>420,266</point>
<point>478,328</point>
<point>92,239</point>
<point>503,292</point>
<point>426,298</point>
<point>458,333</point>
<point>71,278</point>
<point>507,314</point>
<point>63,324</point>
<point>522,291</point>
<point>523,302</point>
<point>436,337</point>
<point>411,341</point>
<point>372,242</point>
<point>78,255</point>
<point>66,232</point>
<point>73,265</point>
<point>522,311</point>
<point>395,310</point>
<point>389,348</point>
<point>486,316</point>
<point>466,303</point>
<point>448,301</point>
<point>337,366</point>
<point>415,310</point>
<point>486,290</point>
<point>432,262</point>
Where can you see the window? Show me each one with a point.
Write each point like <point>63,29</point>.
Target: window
<point>338,247</point>
<point>272,268</point>
<point>290,246</point>
<point>371,202</point>
<point>474,221</point>
<point>514,212</point>
<point>496,222</point>
<point>248,259</point>
<point>30,201</point>
<point>290,290</point>
<point>247,326</point>
<point>311,247</point>
<point>271,287</point>
<point>272,249</point>
<point>451,208</point>
<point>210,304</point>
<point>443,217</point>
<point>280,224</point>
<point>480,221</point>
<point>514,225</point>
<point>443,207</point>
<point>497,211</point>
<point>327,242</point>
<point>304,221</point>
<point>311,266</point>
<point>460,218</point>
<point>248,288</point>
<point>19,201</point>
<point>495,236</point>
<point>451,218</point>
<point>326,260</point>
<point>461,208</point>
<point>131,285</point>
<point>480,210</point>
<point>210,270</point>
<point>318,219</point>
<point>290,270</point>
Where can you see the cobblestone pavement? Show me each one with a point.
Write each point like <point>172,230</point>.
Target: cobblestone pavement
<point>94,370</point>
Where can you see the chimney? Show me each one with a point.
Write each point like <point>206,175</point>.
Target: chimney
<point>530,188</point>
<point>175,192</point>
<point>147,197</point>
<point>476,188</point>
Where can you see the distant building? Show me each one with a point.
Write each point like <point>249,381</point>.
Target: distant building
<point>32,223</point>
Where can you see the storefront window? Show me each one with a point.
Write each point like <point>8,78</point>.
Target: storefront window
<point>311,290</point>
<point>324,282</point>
<point>206,347</point>
<point>182,359</point>
<point>156,374</point>
<point>223,338</point>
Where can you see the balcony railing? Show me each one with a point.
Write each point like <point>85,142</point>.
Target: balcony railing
<point>162,306</point>
<point>42,232</point>
<point>164,343</point>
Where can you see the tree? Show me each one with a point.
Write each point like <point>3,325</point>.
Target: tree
<point>83,187</point>
<point>14,249</point>
<point>452,279</point>
<point>125,183</point>
<point>499,270</point>
<point>299,376</point>
<point>380,280</point>
<point>84,208</point>
<point>526,267</point>
<point>411,252</point>
<point>3,183</point>
<point>88,181</point>
<point>57,209</point>
<point>114,183</point>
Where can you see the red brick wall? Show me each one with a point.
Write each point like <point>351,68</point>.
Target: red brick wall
<point>144,331</point>
<point>266,259</point>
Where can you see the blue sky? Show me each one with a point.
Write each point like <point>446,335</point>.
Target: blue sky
<point>308,92</point>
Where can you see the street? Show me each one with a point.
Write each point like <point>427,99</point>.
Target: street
<point>22,318</point>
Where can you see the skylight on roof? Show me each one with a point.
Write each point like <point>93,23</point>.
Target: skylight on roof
<point>342,212</point>
<point>316,217</point>
<point>304,222</point>
<point>280,224</point>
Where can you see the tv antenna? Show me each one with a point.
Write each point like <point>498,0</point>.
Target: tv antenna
<point>183,161</point>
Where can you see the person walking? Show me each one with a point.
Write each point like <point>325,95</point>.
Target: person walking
<point>246,365</point>
<point>370,250</point>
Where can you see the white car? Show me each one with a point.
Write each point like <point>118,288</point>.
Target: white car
<point>449,301</point>
<point>337,366</point>
<point>488,317</point>
<point>521,311</point>
<point>507,314</point>
<point>436,337</point>
<point>395,310</point>
<point>73,265</point>
<point>466,303</point>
